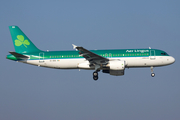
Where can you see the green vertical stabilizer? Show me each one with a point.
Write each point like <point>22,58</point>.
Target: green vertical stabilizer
<point>22,43</point>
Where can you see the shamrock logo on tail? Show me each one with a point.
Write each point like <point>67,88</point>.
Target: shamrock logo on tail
<point>20,40</point>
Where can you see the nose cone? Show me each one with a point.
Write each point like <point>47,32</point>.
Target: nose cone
<point>171,60</point>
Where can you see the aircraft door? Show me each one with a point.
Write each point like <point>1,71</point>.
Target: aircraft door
<point>41,57</point>
<point>152,55</point>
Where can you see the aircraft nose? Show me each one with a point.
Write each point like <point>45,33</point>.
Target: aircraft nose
<point>172,60</point>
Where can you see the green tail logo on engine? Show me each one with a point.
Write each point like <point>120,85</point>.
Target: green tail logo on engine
<point>20,41</point>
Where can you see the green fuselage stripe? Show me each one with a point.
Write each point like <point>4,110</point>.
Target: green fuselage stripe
<point>103,53</point>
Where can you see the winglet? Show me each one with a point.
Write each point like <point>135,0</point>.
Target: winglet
<point>74,46</point>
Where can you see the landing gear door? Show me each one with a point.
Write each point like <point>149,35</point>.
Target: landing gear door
<point>41,57</point>
<point>152,55</point>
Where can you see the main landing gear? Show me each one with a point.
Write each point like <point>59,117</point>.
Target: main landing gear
<point>152,73</point>
<point>95,75</point>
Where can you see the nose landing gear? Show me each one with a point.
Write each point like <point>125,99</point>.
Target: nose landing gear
<point>152,73</point>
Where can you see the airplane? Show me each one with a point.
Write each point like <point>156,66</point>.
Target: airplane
<point>112,61</point>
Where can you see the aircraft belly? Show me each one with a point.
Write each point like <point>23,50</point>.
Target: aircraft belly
<point>68,63</point>
<point>74,63</point>
<point>57,63</point>
<point>136,62</point>
<point>146,61</point>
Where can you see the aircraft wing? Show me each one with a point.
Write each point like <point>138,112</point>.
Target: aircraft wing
<point>93,58</point>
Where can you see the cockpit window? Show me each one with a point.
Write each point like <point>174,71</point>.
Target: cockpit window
<point>163,53</point>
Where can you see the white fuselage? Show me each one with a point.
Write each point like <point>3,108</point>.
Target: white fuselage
<point>82,63</point>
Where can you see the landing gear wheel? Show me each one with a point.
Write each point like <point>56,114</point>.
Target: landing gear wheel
<point>95,73</point>
<point>95,77</point>
<point>152,74</point>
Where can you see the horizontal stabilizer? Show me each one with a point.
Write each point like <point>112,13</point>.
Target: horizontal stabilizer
<point>20,56</point>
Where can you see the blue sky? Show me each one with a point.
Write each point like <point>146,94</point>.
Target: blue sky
<point>31,92</point>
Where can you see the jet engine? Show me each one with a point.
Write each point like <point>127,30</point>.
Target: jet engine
<point>115,68</point>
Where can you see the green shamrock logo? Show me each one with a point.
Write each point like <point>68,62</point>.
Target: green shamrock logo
<point>20,40</point>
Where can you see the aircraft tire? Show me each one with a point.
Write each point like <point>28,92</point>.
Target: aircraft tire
<point>152,74</point>
<point>95,78</point>
<point>95,74</point>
